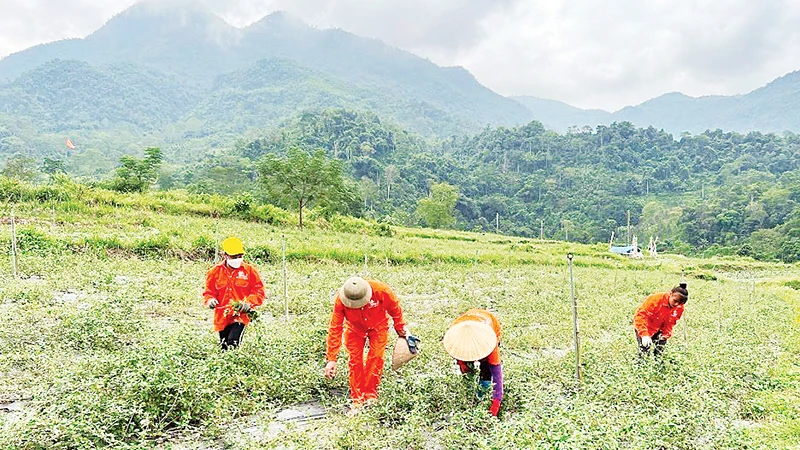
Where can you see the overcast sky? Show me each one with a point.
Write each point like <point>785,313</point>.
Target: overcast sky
<point>589,53</point>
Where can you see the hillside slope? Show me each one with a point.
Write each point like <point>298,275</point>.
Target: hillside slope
<point>188,42</point>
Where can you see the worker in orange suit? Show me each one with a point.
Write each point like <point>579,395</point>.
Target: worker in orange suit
<point>656,316</point>
<point>233,289</point>
<point>361,313</point>
<point>475,336</point>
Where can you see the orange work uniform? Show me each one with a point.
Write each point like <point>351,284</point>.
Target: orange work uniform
<point>371,321</point>
<point>482,315</point>
<point>229,285</point>
<point>655,315</point>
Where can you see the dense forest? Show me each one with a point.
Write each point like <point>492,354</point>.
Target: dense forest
<point>717,192</point>
<point>713,193</point>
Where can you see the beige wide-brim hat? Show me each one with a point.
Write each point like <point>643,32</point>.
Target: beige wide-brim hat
<point>355,292</point>
<point>469,340</point>
<point>401,353</point>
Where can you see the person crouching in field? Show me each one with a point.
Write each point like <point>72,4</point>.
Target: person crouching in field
<point>233,289</point>
<point>361,312</point>
<point>656,316</point>
<point>475,336</point>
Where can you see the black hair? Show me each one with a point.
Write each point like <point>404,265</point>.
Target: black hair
<point>681,289</point>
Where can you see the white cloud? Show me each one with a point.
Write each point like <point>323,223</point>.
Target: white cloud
<point>598,55</point>
<point>589,53</point>
<point>24,23</point>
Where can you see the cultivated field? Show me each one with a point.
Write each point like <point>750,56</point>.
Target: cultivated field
<point>105,344</point>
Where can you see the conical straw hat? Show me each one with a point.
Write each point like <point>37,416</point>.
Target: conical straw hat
<point>401,353</point>
<point>469,340</point>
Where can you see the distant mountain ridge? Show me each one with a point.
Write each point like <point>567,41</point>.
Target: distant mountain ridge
<point>193,45</point>
<point>192,66</point>
<point>769,109</point>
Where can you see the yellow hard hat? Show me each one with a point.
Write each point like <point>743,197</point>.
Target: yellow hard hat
<point>233,246</point>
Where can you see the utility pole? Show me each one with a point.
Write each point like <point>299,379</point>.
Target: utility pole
<point>497,222</point>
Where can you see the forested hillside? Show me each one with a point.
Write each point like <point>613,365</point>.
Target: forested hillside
<point>72,95</point>
<point>716,192</point>
<point>189,45</point>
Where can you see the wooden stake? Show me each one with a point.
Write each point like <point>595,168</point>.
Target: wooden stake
<point>685,326</point>
<point>14,244</point>
<point>685,320</point>
<point>575,323</point>
<point>366,254</point>
<point>285,289</point>
<point>217,241</point>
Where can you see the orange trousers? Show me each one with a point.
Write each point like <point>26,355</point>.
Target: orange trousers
<point>365,376</point>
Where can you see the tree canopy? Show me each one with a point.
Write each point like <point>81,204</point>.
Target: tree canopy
<point>301,179</point>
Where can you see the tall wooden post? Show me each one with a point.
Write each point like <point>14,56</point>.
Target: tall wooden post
<point>285,288</point>
<point>13,244</point>
<point>575,323</point>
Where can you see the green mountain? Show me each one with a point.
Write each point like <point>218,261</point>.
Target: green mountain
<point>771,108</point>
<point>273,90</point>
<point>196,47</point>
<point>181,38</point>
<point>72,95</point>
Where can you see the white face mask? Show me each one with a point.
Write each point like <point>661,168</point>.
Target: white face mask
<point>235,263</point>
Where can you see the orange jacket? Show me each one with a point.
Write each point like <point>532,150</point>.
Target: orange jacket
<point>228,285</point>
<point>482,315</point>
<point>372,316</point>
<point>654,315</point>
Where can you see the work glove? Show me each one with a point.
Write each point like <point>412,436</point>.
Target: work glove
<point>483,388</point>
<point>463,367</point>
<point>412,343</point>
<point>646,341</point>
<point>330,369</point>
<point>495,408</point>
<point>244,307</point>
<point>212,303</point>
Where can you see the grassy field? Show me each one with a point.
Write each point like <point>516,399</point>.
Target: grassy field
<point>105,343</point>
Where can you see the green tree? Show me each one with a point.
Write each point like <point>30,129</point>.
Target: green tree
<point>138,174</point>
<point>303,179</point>
<point>438,209</point>
<point>390,173</point>
<point>20,167</point>
<point>52,166</point>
